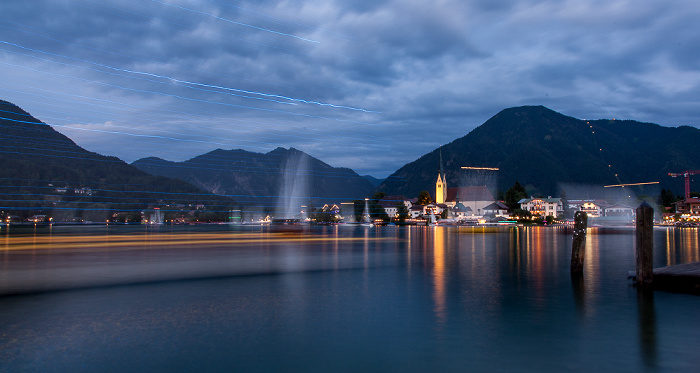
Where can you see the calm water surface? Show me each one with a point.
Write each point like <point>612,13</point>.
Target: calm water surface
<point>224,298</point>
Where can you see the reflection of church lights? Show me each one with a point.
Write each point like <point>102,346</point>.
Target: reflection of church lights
<point>439,274</point>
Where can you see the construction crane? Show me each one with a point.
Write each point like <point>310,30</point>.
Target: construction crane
<point>686,175</point>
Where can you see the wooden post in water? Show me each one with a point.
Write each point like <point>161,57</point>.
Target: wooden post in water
<point>645,245</point>
<point>578,247</point>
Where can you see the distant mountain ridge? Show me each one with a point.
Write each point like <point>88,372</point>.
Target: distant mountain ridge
<point>543,150</point>
<point>42,168</point>
<point>256,177</point>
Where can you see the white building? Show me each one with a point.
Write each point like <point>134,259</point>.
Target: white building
<point>391,204</point>
<point>496,209</point>
<point>549,206</point>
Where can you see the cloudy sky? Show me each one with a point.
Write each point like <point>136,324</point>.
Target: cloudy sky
<point>369,85</point>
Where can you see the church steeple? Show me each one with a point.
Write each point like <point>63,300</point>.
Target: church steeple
<point>441,184</point>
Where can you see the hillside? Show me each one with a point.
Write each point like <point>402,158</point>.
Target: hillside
<point>45,172</point>
<point>257,178</point>
<point>544,150</point>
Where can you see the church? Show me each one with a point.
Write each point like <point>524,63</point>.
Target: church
<point>474,198</point>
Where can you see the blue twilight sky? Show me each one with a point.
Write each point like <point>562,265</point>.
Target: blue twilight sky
<point>369,85</point>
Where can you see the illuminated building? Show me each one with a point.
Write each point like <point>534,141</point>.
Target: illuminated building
<point>441,184</point>
<point>549,206</point>
<point>690,206</point>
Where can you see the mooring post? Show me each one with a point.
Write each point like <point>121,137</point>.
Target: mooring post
<point>578,247</point>
<point>645,245</point>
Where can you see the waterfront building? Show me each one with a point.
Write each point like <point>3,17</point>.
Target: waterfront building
<point>497,208</point>
<point>416,211</point>
<point>688,206</point>
<point>391,204</point>
<point>549,206</point>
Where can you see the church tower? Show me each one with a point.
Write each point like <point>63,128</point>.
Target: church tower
<point>441,184</point>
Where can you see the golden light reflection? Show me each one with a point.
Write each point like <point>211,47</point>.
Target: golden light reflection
<point>536,256</point>
<point>689,245</point>
<point>439,274</point>
<point>591,261</point>
<point>49,244</point>
<point>670,247</point>
<point>682,245</point>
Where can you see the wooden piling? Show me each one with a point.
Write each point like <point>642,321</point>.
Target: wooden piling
<point>645,245</point>
<point>578,247</point>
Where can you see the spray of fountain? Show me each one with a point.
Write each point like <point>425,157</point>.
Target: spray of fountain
<point>294,188</point>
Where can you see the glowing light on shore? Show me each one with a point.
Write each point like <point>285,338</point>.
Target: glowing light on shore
<point>632,184</point>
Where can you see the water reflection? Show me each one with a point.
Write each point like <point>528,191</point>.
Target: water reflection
<point>647,327</point>
<point>347,299</point>
<point>439,277</point>
<point>681,245</point>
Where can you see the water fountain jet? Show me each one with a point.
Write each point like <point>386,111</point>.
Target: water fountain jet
<point>294,189</point>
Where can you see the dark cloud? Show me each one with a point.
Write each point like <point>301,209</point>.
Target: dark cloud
<point>178,78</point>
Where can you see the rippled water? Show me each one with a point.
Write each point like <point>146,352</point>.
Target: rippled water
<point>224,298</point>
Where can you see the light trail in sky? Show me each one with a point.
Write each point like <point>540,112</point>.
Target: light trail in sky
<point>219,34</point>
<point>277,19</point>
<point>234,22</point>
<point>187,98</point>
<point>331,137</point>
<point>630,184</point>
<point>172,79</point>
<point>480,168</point>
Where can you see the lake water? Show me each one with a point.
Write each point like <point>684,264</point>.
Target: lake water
<point>338,299</point>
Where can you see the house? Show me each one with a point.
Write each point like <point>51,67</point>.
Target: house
<point>689,206</point>
<point>391,204</point>
<point>592,209</point>
<point>416,211</point>
<point>461,212</point>
<point>549,206</point>
<point>434,209</point>
<point>333,209</point>
<point>497,208</point>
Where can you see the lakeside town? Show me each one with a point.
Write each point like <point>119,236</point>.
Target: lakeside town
<point>476,205</point>
<point>459,205</point>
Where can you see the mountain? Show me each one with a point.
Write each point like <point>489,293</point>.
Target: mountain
<point>46,172</point>
<point>373,180</point>
<point>547,151</point>
<point>258,178</point>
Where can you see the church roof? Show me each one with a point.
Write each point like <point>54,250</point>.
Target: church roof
<point>470,193</point>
